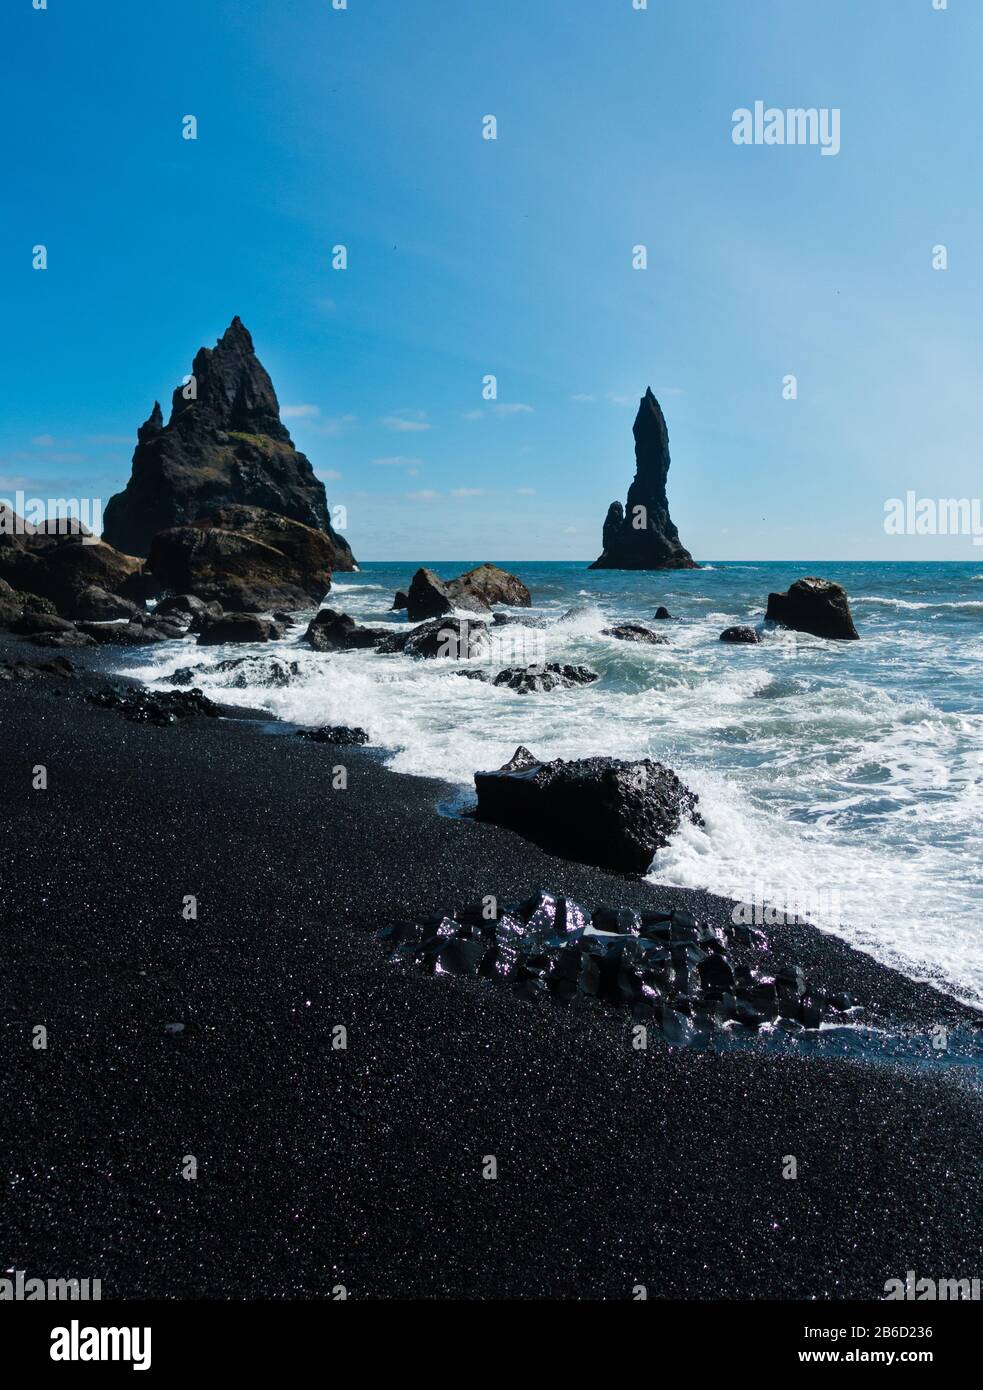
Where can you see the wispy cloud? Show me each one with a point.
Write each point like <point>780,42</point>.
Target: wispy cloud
<point>331,428</point>
<point>407,421</point>
<point>583,396</point>
<point>526,491</point>
<point>396,461</point>
<point>503,408</point>
<point>327,475</point>
<point>299,412</point>
<point>468,492</point>
<point>425,495</point>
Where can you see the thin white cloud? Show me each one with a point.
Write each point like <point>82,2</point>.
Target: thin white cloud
<point>396,461</point>
<point>583,396</point>
<point>503,408</point>
<point>299,412</point>
<point>526,491</point>
<point>424,495</point>
<point>333,427</point>
<point>407,421</point>
<point>329,475</point>
<point>468,492</point>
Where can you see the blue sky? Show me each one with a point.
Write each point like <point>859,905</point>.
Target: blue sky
<point>512,257</point>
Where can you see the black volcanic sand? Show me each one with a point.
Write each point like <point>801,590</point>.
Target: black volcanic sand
<point>319,1167</point>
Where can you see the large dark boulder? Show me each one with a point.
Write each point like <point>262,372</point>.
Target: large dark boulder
<point>331,631</point>
<point>224,443</point>
<point>643,536</point>
<point>455,638</point>
<point>490,585</point>
<point>600,811</point>
<point>528,680</point>
<point>475,591</point>
<point>193,613</point>
<point>817,606</point>
<point>245,559</point>
<point>430,597</point>
<point>239,627</point>
<point>69,567</point>
<point>635,632</point>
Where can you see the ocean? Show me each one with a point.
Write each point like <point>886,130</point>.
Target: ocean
<point>839,781</point>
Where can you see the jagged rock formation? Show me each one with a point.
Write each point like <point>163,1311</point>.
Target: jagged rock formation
<point>475,591</point>
<point>817,606</point>
<point>643,536</point>
<point>226,445</point>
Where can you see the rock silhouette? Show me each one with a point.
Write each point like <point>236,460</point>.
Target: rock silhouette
<point>225,444</point>
<point>643,536</point>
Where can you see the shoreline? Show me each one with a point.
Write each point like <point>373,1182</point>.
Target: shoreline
<point>363,1166</point>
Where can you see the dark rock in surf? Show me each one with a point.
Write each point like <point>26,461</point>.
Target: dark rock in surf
<point>430,597</point>
<point>331,631</point>
<point>748,635</point>
<point>400,601</point>
<point>643,536</point>
<point>663,615</point>
<point>528,680</point>
<point>195,612</point>
<point>454,638</point>
<point>154,707</point>
<point>635,632</point>
<point>816,606</point>
<point>239,627</point>
<point>340,734</point>
<point>600,811</point>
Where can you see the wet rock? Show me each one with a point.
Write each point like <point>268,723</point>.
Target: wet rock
<point>331,631</point>
<point>526,680</point>
<point>195,611</point>
<point>96,605</point>
<point>663,615</point>
<point>430,597</point>
<point>601,811</point>
<point>58,667</point>
<point>473,675</point>
<point>239,627</point>
<point>489,585</point>
<point>634,632</point>
<point>642,535</point>
<point>748,635</point>
<point>400,601</point>
<point>248,671</point>
<point>816,606</point>
<point>452,638</point>
<point>616,919</point>
<point>341,734</point>
<point>154,707</point>
<point>138,633</point>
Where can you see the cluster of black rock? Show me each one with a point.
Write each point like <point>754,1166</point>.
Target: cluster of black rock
<point>150,707</point>
<point>688,978</point>
<point>340,734</point>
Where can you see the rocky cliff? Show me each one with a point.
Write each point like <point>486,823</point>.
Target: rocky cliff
<point>224,444</point>
<point>642,535</point>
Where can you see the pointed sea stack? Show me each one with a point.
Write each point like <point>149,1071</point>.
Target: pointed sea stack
<point>643,536</point>
<point>225,445</point>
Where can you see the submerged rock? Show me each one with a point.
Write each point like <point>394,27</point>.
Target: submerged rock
<point>634,632</point>
<point>816,606</point>
<point>749,635</point>
<point>643,536</point>
<point>600,811</point>
<point>552,676</point>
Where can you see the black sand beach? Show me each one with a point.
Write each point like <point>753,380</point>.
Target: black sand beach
<point>363,1167</point>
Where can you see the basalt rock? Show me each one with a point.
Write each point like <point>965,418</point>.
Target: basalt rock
<point>816,606</point>
<point>635,632</point>
<point>663,615</point>
<point>602,811</point>
<point>341,734</point>
<point>458,639</point>
<point>331,631</point>
<point>153,707</point>
<point>430,597</point>
<point>224,443</point>
<point>239,627</point>
<point>552,676</point>
<point>136,633</point>
<point>681,982</point>
<point>245,559</point>
<point>475,591</point>
<point>195,613</point>
<point>58,667</point>
<point>63,563</point>
<point>643,536</point>
<point>749,635</point>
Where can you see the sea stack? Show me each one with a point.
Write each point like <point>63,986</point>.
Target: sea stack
<point>223,445</point>
<point>642,536</point>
